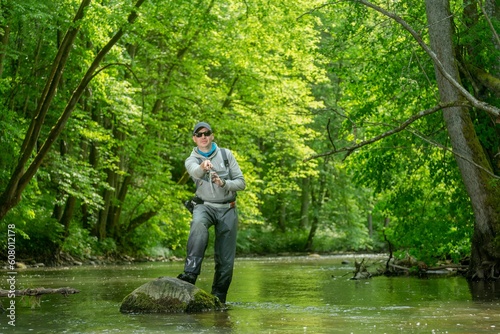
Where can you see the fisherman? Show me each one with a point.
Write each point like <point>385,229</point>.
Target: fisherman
<point>218,178</point>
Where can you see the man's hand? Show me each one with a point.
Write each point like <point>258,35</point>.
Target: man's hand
<point>217,180</point>
<point>206,165</point>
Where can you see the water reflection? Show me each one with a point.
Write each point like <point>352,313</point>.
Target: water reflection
<point>218,320</point>
<point>485,291</point>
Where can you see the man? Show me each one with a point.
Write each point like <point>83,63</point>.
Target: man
<point>218,177</point>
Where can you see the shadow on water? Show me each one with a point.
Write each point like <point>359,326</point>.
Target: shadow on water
<point>488,291</point>
<point>268,295</point>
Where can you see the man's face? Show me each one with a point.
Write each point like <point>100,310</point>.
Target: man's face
<point>204,142</point>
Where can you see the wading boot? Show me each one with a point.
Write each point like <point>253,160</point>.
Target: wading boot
<point>188,277</point>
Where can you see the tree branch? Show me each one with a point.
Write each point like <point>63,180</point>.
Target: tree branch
<point>474,102</point>
<point>330,135</point>
<point>487,17</point>
<point>400,128</point>
<point>455,153</point>
<point>494,111</point>
<point>488,80</point>
<point>141,219</point>
<point>11,195</point>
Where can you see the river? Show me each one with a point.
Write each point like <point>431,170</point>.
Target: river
<point>268,295</point>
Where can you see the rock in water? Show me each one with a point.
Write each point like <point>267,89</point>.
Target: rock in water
<point>169,295</point>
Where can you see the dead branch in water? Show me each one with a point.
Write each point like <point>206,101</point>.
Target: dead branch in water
<point>38,292</point>
<point>361,271</point>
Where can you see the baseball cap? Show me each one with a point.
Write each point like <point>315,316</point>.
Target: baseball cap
<point>200,125</point>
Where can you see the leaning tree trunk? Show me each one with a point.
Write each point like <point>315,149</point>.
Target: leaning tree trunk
<point>475,169</point>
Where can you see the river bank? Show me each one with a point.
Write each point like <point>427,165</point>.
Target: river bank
<point>65,260</point>
<point>364,265</point>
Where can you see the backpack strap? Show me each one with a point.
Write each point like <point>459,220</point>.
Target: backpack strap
<point>224,156</point>
<point>226,161</point>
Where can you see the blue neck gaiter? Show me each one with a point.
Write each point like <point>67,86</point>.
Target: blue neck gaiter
<point>209,153</point>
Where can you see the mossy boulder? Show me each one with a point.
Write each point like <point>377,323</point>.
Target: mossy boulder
<point>169,295</point>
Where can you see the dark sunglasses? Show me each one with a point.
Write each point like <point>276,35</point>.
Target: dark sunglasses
<point>206,133</point>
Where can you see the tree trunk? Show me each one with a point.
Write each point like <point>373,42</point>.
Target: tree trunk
<point>117,209</point>
<point>312,234</point>
<point>370,224</point>
<point>475,169</point>
<point>93,160</point>
<point>4,42</point>
<point>139,220</point>
<point>305,203</point>
<point>101,227</point>
<point>120,183</point>
<point>282,213</point>
<point>67,215</point>
<point>317,199</point>
<point>65,220</point>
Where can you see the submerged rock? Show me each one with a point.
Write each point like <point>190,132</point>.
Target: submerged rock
<point>169,295</point>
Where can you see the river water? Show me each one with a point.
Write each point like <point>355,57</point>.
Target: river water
<point>268,295</point>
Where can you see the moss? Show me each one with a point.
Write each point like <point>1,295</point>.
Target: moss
<point>493,201</point>
<point>203,302</point>
<point>142,303</point>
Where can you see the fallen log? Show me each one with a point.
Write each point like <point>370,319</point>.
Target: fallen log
<point>450,266</point>
<point>38,292</point>
<point>419,269</point>
<point>395,266</point>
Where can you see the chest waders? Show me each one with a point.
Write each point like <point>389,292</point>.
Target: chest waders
<point>224,218</point>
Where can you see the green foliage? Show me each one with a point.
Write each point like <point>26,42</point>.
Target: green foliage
<point>107,247</point>
<point>480,35</point>
<point>79,242</point>
<point>263,241</point>
<point>328,241</point>
<point>430,224</point>
<point>9,143</point>
<point>39,239</point>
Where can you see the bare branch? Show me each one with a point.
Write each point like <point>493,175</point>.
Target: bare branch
<point>330,135</point>
<point>395,130</point>
<point>487,17</point>
<point>489,172</point>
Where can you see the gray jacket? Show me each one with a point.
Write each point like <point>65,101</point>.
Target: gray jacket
<point>211,192</point>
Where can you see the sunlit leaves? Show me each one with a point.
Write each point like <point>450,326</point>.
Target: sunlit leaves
<point>78,179</point>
